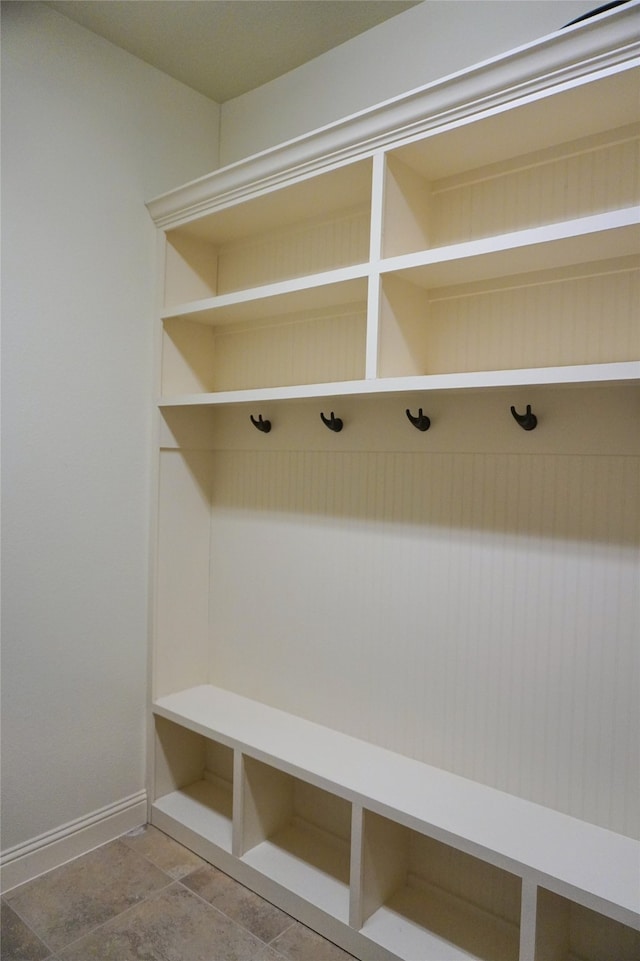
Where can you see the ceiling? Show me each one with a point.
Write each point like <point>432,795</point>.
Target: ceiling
<point>223,48</point>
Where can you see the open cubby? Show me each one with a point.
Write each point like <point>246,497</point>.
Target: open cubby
<point>298,835</point>
<point>585,314</point>
<point>425,899</point>
<point>194,783</point>
<point>308,227</point>
<point>563,182</point>
<point>304,336</point>
<point>567,931</point>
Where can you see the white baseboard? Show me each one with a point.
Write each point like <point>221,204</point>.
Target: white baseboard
<point>28,860</point>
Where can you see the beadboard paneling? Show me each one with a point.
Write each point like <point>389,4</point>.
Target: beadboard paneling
<point>585,319</point>
<point>560,317</point>
<point>478,611</point>
<point>597,420</point>
<point>295,251</point>
<point>321,346</point>
<point>542,188</point>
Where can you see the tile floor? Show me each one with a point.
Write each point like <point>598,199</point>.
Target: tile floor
<point>146,898</point>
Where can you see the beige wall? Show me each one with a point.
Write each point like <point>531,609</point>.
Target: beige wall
<point>89,133</point>
<point>436,38</point>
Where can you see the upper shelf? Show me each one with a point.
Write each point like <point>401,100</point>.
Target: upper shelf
<point>572,180</point>
<point>554,245</point>
<point>535,249</point>
<point>320,291</point>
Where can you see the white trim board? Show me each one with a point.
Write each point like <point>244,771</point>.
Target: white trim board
<point>28,860</point>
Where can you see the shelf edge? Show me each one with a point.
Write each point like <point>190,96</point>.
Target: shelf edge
<point>617,372</point>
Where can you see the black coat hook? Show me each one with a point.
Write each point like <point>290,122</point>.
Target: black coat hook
<point>421,422</point>
<point>263,425</point>
<point>333,422</point>
<point>527,420</point>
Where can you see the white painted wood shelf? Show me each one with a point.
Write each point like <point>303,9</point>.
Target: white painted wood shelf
<point>471,245</point>
<point>583,375</point>
<point>404,926</point>
<point>287,297</point>
<point>268,295</point>
<point>537,248</point>
<point>204,807</point>
<point>312,863</point>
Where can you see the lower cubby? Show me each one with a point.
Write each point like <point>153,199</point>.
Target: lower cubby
<point>566,931</point>
<point>298,836</point>
<point>422,899</point>
<point>194,784</point>
<point>390,858</point>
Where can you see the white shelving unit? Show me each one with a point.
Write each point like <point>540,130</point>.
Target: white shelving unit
<point>270,293</point>
<point>473,245</point>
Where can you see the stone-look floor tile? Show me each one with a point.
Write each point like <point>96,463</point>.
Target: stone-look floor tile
<point>233,899</point>
<point>172,925</point>
<point>70,901</point>
<point>267,954</point>
<point>171,857</point>
<point>299,943</point>
<point>17,940</point>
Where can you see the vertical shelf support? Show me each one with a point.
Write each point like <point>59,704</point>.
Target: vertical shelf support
<point>528,920</point>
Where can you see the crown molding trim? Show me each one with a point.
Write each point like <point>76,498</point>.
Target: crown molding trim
<point>573,55</point>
